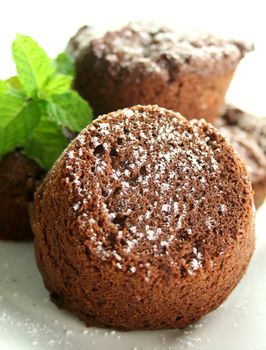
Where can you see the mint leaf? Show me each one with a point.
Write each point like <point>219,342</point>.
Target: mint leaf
<point>69,110</point>
<point>14,83</point>
<point>34,67</point>
<point>64,64</point>
<point>16,130</point>
<point>39,105</point>
<point>3,86</point>
<point>58,85</point>
<point>11,103</point>
<point>46,143</point>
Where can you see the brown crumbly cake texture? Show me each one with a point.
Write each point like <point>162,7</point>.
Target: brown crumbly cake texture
<point>247,133</point>
<point>81,40</point>
<point>19,177</point>
<point>145,64</point>
<point>146,221</point>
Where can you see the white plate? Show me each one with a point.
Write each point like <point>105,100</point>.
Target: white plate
<point>28,320</point>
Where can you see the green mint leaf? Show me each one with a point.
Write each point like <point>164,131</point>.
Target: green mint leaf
<point>46,143</point>
<point>39,104</point>
<point>3,87</point>
<point>14,83</point>
<point>34,67</point>
<point>64,64</point>
<point>69,110</point>
<point>11,103</point>
<point>58,85</point>
<point>16,130</point>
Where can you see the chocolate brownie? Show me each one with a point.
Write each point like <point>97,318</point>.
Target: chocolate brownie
<point>247,133</point>
<point>19,177</point>
<point>81,40</point>
<point>143,64</point>
<point>145,222</point>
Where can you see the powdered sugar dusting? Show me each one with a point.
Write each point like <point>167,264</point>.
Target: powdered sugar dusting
<point>159,168</point>
<point>155,49</point>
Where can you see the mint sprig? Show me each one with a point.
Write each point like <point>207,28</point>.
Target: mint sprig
<point>64,64</point>
<point>64,108</point>
<point>34,67</point>
<point>46,139</point>
<point>37,104</point>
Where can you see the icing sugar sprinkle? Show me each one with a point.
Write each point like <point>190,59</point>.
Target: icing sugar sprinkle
<point>150,48</point>
<point>76,206</point>
<point>156,164</point>
<point>166,207</point>
<point>132,269</point>
<point>196,262</point>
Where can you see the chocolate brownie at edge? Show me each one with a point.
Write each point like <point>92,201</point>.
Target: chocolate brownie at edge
<point>19,177</point>
<point>247,133</point>
<point>81,40</point>
<point>147,64</point>
<point>145,222</point>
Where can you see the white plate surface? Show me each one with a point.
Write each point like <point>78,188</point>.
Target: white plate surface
<point>28,320</point>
